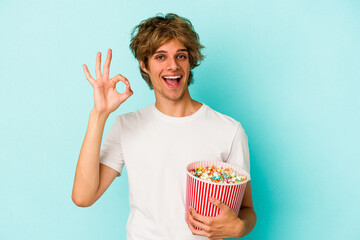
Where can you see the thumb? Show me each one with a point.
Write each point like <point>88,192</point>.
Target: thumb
<point>223,207</point>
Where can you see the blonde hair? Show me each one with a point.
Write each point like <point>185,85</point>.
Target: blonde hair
<point>153,32</point>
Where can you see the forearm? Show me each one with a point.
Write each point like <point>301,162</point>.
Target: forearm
<point>248,218</point>
<point>86,181</point>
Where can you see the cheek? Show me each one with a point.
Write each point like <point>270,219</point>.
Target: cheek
<point>186,66</point>
<point>156,70</point>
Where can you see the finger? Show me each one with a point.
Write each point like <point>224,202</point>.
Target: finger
<point>200,218</point>
<point>194,222</point>
<point>223,207</point>
<point>195,231</point>
<point>128,88</point>
<point>107,63</point>
<point>123,79</point>
<point>98,65</point>
<point>87,74</point>
<point>119,78</point>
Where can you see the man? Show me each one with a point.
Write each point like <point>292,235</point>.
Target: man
<point>157,142</point>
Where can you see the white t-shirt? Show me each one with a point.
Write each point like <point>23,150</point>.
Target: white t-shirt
<point>156,149</point>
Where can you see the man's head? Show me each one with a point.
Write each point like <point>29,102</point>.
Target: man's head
<point>152,33</point>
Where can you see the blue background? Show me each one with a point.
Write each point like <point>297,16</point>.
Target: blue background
<point>287,70</point>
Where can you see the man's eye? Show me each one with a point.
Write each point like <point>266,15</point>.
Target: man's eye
<point>160,57</point>
<point>182,56</point>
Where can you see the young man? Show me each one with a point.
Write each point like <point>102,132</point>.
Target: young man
<point>157,142</point>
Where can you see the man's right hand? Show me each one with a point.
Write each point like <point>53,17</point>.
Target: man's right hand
<point>91,177</point>
<point>106,98</point>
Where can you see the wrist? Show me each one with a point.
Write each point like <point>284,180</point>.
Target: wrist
<point>98,117</point>
<point>97,114</point>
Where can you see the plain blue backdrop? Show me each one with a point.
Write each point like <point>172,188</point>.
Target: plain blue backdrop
<point>287,70</point>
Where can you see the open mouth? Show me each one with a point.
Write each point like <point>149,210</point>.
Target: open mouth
<point>172,81</point>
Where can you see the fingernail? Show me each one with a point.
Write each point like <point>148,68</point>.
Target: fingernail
<point>211,199</point>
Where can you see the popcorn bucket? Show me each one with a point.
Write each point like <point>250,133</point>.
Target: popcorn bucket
<point>198,191</point>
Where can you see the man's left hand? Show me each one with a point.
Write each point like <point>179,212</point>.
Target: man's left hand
<point>225,225</point>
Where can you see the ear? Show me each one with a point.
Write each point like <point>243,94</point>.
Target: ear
<point>142,66</point>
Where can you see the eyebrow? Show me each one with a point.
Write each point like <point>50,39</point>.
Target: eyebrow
<point>180,50</point>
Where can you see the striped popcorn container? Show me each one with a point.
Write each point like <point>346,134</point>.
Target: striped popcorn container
<point>198,191</point>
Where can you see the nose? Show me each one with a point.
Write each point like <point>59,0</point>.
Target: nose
<point>172,64</point>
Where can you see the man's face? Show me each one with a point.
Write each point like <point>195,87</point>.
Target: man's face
<point>169,70</point>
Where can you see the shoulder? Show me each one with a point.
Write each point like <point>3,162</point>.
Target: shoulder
<point>221,119</point>
<point>135,118</point>
<point>136,114</point>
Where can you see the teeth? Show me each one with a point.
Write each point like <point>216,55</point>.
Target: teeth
<point>174,77</point>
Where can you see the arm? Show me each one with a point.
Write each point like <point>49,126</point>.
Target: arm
<point>226,224</point>
<point>91,177</point>
<point>247,213</point>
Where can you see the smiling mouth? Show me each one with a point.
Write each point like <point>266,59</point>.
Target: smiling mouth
<point>172,81</point>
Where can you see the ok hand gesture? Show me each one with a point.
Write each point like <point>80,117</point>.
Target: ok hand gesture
<point>106,98</point>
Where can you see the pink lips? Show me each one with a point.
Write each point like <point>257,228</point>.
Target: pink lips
<point>172,81</point>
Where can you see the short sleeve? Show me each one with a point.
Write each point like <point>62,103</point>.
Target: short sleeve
<point>111,153</point>
<point>239,153</point>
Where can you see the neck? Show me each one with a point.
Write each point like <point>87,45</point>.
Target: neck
<point>178,108</point>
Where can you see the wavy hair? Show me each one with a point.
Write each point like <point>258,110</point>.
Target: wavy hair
<point>153,32</point>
